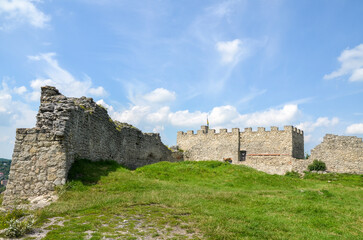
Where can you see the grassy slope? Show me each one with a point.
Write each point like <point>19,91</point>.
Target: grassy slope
<point>207,200</point>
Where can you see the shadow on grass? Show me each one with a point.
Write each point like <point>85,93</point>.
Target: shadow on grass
<point>89,173</point>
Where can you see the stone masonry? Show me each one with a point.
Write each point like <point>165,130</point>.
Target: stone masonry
<point>275,151</point>
<point>342,154</point>
<point>67,129</point>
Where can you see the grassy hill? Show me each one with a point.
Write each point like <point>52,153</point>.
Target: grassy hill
<point>202,200</point>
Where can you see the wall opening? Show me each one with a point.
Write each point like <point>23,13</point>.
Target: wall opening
<point>242,156</point>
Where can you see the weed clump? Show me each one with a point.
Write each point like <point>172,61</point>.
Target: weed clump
<point>19,227</point>
<point>317,166</point>
<point>15,223</point>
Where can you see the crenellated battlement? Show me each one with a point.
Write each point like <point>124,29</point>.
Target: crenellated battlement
<point>205,130</point>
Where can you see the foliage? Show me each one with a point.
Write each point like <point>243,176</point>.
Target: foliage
<point>307,155</point>
<point>18,228</point>
<point>5,167</point>
<point>292,174</point>
<point>317,166</point>
<point>13,214</point>
<point>216,200</point>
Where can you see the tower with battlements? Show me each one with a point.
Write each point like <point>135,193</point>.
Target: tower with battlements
<point>273,151</point>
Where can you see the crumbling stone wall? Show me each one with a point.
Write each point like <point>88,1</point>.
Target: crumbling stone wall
<point>274,152</point>
<point>71,128</point>
<point>342,154</point>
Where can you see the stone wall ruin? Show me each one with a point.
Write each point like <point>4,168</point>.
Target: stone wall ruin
<point>341,154</point>
<point>67,129</point>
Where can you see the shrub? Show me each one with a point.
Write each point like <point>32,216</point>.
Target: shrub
<point>317,166</point>
<point>11,215</point>
<point>18,228</point>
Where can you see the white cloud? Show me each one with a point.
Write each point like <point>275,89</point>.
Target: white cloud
<point>99,91</point>
<point>320,122</point>
<point>285,115</point>
<point>351,64</point>
<point>357,75</point>
<point>160,95</point>
<point>222,115</point>
<point>19,11</point>
<point>147,114</point>
<point>230,50</point>
<point>159,116</point>
<point>134,115</point>
<point>186,118</point>
<point>13,114</point>
<point>20,90</point>
<point>104,104</point>
<point>56,76</point>
<point>356,128</point>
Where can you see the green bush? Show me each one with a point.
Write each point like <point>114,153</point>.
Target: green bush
<point>317,166</point>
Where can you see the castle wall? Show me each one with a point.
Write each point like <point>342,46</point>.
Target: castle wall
<point>38,164</point>
<point>288,142</point>
<point>342,154</point>
<point>270,164</point>
<point>208,145</point>
<point>273,151</point>
<point>71,128</point>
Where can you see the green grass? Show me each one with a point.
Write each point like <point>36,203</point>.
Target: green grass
<point>204,200</point>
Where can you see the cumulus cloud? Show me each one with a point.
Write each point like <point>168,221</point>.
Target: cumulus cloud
<point>273,116</point>
<point>320,122</point>
<point>133,115</point>
<point>160,95</point>
<point>351,61</point>
<point>20,90</point>
<point>13,114</point>
<point>99,91</point>
<point>20,11</point>
<point>149,115</point>
<point>62,79</point>
<point>187,119</point>
<point>230,50</point>
<point>356,128</point>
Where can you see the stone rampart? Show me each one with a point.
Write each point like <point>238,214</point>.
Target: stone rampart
<point>342,154</point>
<point>71,128</point>
<point>287,142</point>
<point>275,151</point>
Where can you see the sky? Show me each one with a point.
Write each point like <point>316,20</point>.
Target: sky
<point>165,66</point>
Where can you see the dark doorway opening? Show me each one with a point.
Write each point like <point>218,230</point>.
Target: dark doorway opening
<point>242,156</point>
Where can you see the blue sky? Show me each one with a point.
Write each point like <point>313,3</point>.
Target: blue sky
<point>165,66</point>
